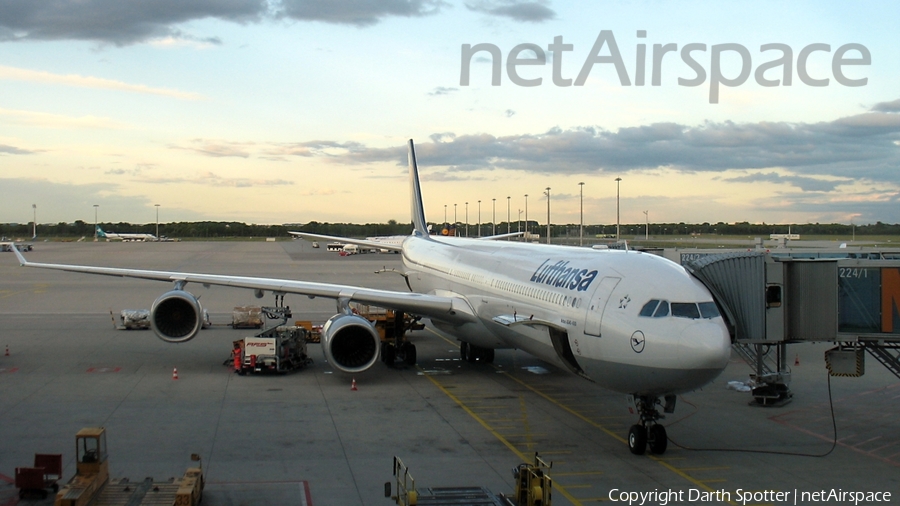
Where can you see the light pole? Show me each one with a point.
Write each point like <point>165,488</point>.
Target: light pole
<point>548,215</point>
<point>455,221</point>
<point>618,179</point>
<point>467,219</point>
<point>479,219</point>
<point>445,213</point>
<point>647,230</point>
<point>508,224</point>
<point>157,221</point>
<point>34,226</point>
<point>494,217</point>
<point>526,217</point>
<point>581,204</point>
<point>95,221</point>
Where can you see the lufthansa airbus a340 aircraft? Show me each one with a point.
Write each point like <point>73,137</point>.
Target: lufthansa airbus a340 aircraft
<point>631,322</point>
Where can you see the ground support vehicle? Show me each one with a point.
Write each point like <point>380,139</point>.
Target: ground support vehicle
<point>533,488</point>
<point>34,481</point>
<point>280,348</point>
<point>392,327</point>
<point>134,319</point>
<point>91,484</point>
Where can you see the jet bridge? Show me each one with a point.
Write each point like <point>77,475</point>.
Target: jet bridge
<point>773,298</point>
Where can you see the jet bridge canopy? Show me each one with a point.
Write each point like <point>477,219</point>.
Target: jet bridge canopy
<point>846,296</point>
<point>794,296</point>
<point>737,282</point>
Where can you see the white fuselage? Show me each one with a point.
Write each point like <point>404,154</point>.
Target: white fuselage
<point>586,308</point>
<point>129,237</point>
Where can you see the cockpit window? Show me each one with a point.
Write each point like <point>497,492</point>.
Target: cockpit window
<point>662,310</point>
<point>708,310</point>
<point>649,307</point>
<point>685,310</point>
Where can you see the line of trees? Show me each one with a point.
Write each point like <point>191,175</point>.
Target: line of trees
<point>222,229</point>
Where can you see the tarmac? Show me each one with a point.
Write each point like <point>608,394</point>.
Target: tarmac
<point>306,438</point>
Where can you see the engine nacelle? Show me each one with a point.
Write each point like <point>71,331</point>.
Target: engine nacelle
<point>176,316</point>
<point>350,343</point>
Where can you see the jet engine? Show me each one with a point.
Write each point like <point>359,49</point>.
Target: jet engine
<point>350,343</point>
<point>176,316</point>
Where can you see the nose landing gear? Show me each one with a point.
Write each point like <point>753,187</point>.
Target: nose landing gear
<point>649,433</point>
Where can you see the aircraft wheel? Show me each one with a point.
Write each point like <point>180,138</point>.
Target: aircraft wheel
<point>389,354</point>
<point>474,353</point>
<point>488,355</point>
<point>657,439</point>
<point>410,354</point>
<point>464,351</point>
<point>637,439</point>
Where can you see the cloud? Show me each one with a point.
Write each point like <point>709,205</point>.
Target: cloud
<point>533,12</point>
<point>807,184</point>
<point>442,90</point>
<point>861,146</point>
<point>47,120</point>
<point>218,149</point>
<point>274,151</point>
<point>12,150</point>
<point>215,180</point>
<point>37,76</point>
<point>893,106</point>
<point>123,23</point>
<point>357,12</point>
<point>115,21</point>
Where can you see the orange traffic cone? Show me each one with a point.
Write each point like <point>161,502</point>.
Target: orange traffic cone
<point>175,373</point>
<point>797,359</point>
<point>353,385</point>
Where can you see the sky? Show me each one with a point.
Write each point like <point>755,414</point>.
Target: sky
<point>290,111</point>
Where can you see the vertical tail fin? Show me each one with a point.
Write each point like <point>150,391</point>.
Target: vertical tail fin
<point>417,209</point>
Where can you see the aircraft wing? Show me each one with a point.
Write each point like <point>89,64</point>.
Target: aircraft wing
<point>347,240</point>
<point>453,310</point>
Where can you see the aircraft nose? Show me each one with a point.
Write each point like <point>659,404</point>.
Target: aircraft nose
<point>706,345</point>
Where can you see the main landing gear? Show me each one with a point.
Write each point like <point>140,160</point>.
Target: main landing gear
<point>471,353</point>
<point>649,433</point>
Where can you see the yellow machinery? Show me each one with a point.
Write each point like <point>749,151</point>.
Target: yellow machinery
<point>91,483</point>
<point>91,468</point>
<point>533,485</point>
<point>533,488</point>
<point>392,327</point>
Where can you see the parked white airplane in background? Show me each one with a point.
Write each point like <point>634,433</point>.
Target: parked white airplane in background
<point>632,322</point>
<point>381,243</point>
<point>125,237</point>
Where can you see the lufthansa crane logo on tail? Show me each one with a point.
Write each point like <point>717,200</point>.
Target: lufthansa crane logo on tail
<point>638,341</point>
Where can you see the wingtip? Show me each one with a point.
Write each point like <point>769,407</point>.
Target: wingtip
<point>19,255</point>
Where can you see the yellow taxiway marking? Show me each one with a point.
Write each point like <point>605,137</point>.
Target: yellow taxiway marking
<point>497,435</point>
<point>659,460</point>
